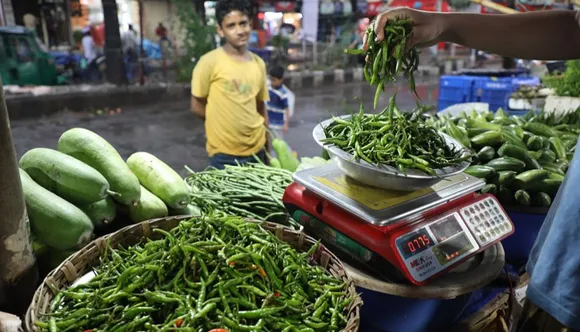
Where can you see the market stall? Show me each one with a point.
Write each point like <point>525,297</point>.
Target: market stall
<point>403,212</point>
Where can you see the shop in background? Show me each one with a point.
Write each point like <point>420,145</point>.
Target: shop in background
<point>334,17</point>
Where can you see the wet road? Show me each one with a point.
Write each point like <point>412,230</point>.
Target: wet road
<point>176,136</point>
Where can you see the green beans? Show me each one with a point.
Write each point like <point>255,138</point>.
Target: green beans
<point>397,139</point>
<point>241,286</point>
<point>386,59</point>
<point>252,191</point>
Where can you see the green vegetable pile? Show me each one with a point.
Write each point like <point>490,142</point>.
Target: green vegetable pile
<point>387,58</point>
<point>523,159</point>
<point>568,83</point>
<point>401,140</point>
<point>252,191</point>
<point>207,273</point>
<point>84,187</point>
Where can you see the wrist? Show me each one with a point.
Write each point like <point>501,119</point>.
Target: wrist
<point>448,25</point>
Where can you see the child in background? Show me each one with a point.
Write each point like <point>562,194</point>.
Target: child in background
<point>278,111</point>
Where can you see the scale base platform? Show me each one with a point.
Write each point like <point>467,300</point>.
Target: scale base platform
<point>473,274</point>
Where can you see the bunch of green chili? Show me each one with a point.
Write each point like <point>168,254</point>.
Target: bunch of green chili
<point>398,139</point>
<point>387,58</point>
<point>207,273</point>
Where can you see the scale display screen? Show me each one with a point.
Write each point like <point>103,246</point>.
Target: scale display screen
<point>452,248</point>
<point>446,228</point>
<point>415,243</point>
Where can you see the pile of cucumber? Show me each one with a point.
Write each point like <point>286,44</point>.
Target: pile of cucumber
<point>85,185</point>
<point>523,159</point>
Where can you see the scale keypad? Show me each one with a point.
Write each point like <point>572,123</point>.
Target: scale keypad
<point>486,220</point>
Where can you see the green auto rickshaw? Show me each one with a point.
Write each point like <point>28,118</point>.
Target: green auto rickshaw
<point>23,59</point>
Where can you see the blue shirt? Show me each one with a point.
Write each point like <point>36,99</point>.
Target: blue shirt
<point>277,107</point>
<point>554,263</point>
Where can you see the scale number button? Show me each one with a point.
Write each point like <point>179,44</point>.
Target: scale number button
<point>487,214</point>
<point>487,224</point>
<point>482,238</point>
<point>486,203</point>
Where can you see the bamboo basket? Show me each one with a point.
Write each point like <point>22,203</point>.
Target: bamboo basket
<point>81,262</point>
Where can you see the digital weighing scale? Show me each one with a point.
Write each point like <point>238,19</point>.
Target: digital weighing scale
<point>423,233</point>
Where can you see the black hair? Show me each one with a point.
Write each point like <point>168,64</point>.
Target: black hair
<point>277,72</point>
<point>224,7</point>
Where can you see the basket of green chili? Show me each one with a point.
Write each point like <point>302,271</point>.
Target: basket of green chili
<point>198,274</point>
<point>391,149</point>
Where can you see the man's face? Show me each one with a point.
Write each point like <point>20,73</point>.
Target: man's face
<point>235,28</point>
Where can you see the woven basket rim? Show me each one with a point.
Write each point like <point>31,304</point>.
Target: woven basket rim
<point>79,263</point>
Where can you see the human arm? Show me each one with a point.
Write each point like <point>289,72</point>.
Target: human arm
<point>286,120</point>
<point>198,106</point>
<point>261,99</point>
<point>200,81</point>
<point>542,35</point>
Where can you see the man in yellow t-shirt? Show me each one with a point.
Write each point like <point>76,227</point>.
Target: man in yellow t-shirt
<point>229,89</point>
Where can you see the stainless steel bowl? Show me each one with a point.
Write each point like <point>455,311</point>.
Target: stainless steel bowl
<point>384,176</point>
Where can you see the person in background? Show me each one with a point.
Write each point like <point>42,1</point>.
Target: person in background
<point>161,33</point>
<point>278,111</point>
<point>553,295</point>
<point>129,45</point>
<point>229,91</point>
<point>90,55</point>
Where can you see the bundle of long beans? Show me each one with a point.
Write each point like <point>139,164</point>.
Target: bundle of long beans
<point>386,59</point>
<point>252,191</point>
<point>207,273</point>
<point>397,139</point>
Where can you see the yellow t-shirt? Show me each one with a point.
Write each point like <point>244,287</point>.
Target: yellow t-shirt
<point>232,123</point>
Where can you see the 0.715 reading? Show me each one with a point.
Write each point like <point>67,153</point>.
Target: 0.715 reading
<point>414,243</point>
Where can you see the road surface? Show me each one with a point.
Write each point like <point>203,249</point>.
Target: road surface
<point>176,136</point>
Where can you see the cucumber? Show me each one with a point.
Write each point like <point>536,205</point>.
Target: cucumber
<point>530,179</point>
<point>540,129</point>
<point>489,188</point>
<point>526,136</point>
<point>65,176</point>
<point>482,124</point>
<point>553,168</point>
<point>325,154</point>
<point>101,213</point>
<point>512,138</point>
<point>507,164</point>
<point>549,186</point>
<point>556,176</point>
<point>148,207</point>
<point>542,200</point>
<point>459,135</point>
<point>535,143</point>
<point>522,197</point>
<point>159,179</point>
<point>569,156</point>
<point>287,160</point>
<point>274,162</point>
<point>535,154</point>
<point>486,154</point>
<point>472,132</point>
<point>491,138</point>
<point>96,152</point>
<point>504,178</point>
<point>505,195</point>
<point>39,248</point>
<point>189,210</point>
<point>54,221</point>
<point>510,150</point>
<point>548,156</point>
<point>517,130</point>
<point>545,143</point>
<point>479,171</point>
<point>558,148</point>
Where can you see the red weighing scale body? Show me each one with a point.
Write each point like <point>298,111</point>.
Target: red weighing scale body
<point>423,234</point>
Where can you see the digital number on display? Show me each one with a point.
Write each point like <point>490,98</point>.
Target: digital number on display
<point>415,243</point>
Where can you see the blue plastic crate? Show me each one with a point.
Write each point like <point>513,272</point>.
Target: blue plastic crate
<point>494,91</point>
<point>455,90</point>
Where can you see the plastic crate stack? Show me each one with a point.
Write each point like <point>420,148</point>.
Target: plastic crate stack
<point>495,91</point>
